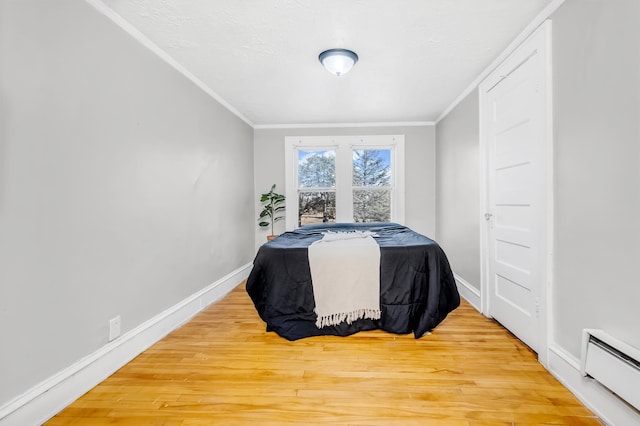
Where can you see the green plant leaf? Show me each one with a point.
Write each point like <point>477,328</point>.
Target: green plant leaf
<point>274,205</point>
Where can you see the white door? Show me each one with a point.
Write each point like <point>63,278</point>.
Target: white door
<point>516,143</point>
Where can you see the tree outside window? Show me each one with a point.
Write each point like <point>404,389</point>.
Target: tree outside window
<point>316,183</point>
<point>371,185</point>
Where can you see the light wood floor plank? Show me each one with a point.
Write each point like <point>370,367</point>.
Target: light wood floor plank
<point>223,368</point>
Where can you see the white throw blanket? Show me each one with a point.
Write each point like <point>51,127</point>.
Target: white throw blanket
<point>345,275</point>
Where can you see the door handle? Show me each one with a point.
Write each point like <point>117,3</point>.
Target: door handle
<point>488,216</point>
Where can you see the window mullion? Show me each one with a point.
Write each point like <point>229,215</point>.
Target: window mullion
<point>344,197</point>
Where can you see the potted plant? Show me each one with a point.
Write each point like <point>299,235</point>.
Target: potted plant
<point>272,210</point>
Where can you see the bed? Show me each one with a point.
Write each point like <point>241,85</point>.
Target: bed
<point>417,288</point>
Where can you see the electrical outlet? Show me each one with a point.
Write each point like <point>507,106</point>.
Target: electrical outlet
<point>114,327</point>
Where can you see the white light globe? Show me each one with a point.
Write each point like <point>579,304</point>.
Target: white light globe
<point>338,61</point>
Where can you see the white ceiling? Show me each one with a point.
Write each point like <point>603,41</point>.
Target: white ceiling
<point>261,56</point>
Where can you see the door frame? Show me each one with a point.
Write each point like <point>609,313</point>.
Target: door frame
<point>539,40</point>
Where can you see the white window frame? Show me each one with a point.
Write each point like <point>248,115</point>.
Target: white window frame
<point>343,146</point>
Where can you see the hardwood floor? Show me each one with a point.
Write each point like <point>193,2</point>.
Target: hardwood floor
<point>223,368</point>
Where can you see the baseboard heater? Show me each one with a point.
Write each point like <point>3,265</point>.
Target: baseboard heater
<point>613,363</point>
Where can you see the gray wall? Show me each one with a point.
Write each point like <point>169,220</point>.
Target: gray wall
<point>123,187</point>
<point>596,59</point>
<point>457,189</point>
<point>596,80</point>
<point>419,168</point>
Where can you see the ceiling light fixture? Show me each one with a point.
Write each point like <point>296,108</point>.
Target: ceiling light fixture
<point>338,61</point>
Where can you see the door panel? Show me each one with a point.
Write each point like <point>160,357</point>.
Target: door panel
<point>512,184</point>
<point>516,216</point>
<point>512,145</point>
<point>513,294</point>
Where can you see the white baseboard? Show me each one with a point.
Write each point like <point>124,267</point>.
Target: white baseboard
<point>468,292</point>
<point>49,397</point>
<point>608,407</point>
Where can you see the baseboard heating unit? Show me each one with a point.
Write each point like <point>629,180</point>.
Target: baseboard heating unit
<point>613,363</point>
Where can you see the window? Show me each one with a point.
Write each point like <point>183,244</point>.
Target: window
<point>316,186</point>
<point>344,179</point>
<point>371,190</point>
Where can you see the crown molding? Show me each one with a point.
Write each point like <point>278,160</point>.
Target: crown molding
<point>146,42</point>
<point>342,125</point>
<point>529,29</point>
